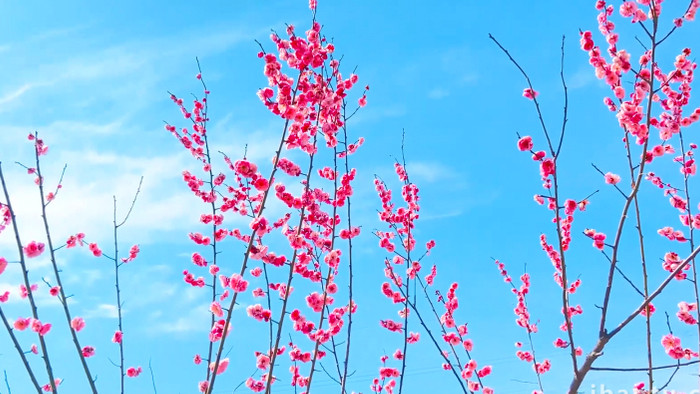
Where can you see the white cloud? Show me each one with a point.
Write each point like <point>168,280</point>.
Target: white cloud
<point>373,114</point>
<point>182,324</point>
<point>423,171</point>
<point>438,93</point>
<point>54,33</point>
<point>108,311</point>
<point>86,277</point>
<point>61,128</point>
<point>444,215</point>
<point>14,95</point>
<point>85,202</point>
<point>190,321</point>
<point>580,78</point>
<point>164,206</point>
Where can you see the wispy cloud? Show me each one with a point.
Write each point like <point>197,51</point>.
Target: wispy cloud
<point>438,93</point>
<point>423,171</point>
<point>191,317</point>
<point>373,114</point>
<point>443,215</point>
<point>85,202</point>
<point>52,34</point>
<point>65,75</point>
<point>182,324</point>
<point>86,277</point>
<point>14,95</point>
<point>458,63</point>
<point>581,78</point>
<point>107,311</point>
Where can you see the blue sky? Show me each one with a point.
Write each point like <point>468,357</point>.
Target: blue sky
<point>93,79</point>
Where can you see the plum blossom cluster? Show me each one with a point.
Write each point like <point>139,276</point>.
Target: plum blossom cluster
<point>521,310</point>
<point>523,320</point>
<point>34,324</point>
<point>672,346</point>
<point>311,101</point>
<point>597,237</point>
<point>5,216</point>
<point>386,381</point>
<point>401,270</point>
<point>547,164</point>
<point>671,263</point>
<point>34,249</point>
<point>629,109</point>
<point>684,312</point>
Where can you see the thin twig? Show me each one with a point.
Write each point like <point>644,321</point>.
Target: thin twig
<point>7,382</point>
<point>30,293</point>
<point>153,378</point>
<point>117,264</point>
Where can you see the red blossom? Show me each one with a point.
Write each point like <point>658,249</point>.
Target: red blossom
<point>530,93</point>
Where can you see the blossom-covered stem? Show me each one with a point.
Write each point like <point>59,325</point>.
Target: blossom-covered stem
<point>25,277</point>
<point>437,317</point>
<point>562,250</point>
<point>229,311</point>
<point>555,156</point>
<point>408,276</point>
<point>117,264</point>
<point>214,241</point>
<point>246,255</point>
<point>269,302</point>
<point>604,335</point>
<point>285,302</point>
<point>21,354</point>
<point>691,239</point>
<point>392,276</point>
<point>62,294</point>
<point>333,351</point>
<point>645,277</point>
<point>350,287</point>
<point>330,268</point>
<point>320,325</point>
<point>534,360</point>
<point>405,317</point>
<point>564,279</point>
<point>435,342</point>
<point>527,326</point>
<point>119,299</point>
<point>555,176</point>
<point>532,350</point>
<point>408,289</point>
<point>637,179</point>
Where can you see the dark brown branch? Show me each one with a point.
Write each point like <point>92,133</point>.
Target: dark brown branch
<point>643,369</point>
